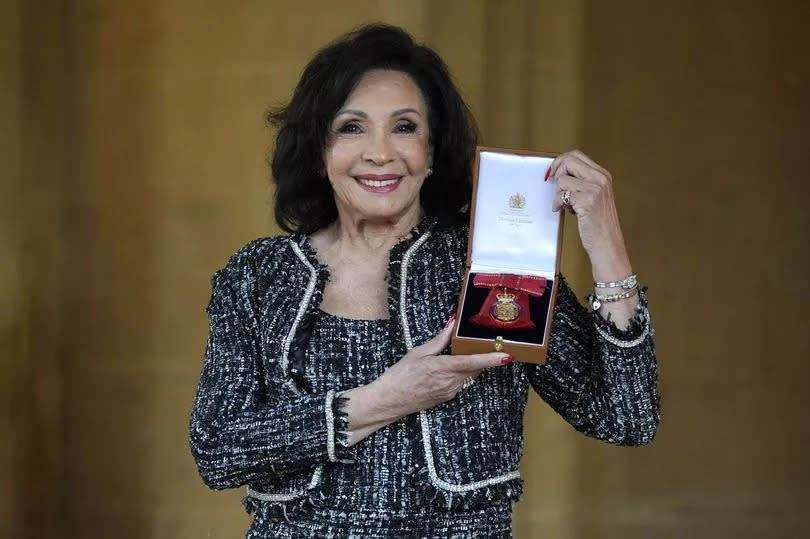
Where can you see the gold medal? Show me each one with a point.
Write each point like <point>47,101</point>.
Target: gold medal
<point>507,309</point>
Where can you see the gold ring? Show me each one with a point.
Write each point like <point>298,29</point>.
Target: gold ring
<point>566,197</point>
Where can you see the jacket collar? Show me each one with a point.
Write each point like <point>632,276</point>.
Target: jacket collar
<point>316,275</point>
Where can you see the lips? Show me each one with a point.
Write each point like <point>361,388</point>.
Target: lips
<point>379,183</point>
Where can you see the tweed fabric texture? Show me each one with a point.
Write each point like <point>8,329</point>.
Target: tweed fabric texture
<point>274,361</point>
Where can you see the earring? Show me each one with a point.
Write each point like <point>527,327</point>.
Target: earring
<point>429,172</point>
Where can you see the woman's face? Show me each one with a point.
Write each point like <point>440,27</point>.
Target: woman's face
<point>378,151</point>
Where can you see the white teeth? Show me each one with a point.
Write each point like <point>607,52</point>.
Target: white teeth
<point>376,183</point>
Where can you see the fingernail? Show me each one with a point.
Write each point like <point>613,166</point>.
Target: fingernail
<point>548,171</point>
<point>450,322</point>
<point>507,359</point>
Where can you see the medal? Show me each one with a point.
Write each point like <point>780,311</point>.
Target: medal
<point>506,306</point>
<point>507,309</point>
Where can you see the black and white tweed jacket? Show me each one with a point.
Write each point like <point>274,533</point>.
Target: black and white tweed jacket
<point>256,422</point>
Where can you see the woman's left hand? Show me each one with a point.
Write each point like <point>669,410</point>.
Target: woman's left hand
<point>590,189</point>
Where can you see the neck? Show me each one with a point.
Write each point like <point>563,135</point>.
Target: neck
<point>373,234</point>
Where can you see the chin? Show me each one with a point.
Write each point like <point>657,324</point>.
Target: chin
<point>385,213</point>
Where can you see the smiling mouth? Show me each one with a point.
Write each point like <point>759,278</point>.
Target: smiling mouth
<point>379,183</point>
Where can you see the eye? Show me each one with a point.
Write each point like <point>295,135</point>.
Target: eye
<point>349,128</point>
<point>405,127</point>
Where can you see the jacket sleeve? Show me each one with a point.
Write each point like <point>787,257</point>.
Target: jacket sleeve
<point>246,426</point>
<point>602,380</point>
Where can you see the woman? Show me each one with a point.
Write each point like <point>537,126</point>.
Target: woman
<point>326,344</point>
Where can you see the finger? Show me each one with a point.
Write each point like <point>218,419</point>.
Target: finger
<point>551,173</point>
<point>552,168</point>
<point>572,165</point>
<point>434,346</point>
<point>469,376</point>
<point>569,183</point>
<point>566,183</point>
<point>582,157</point>
<point>475,374</point>
<point>557,204</point>
<point>476,362</point>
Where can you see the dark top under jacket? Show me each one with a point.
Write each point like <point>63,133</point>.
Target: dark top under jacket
<point>268,409</point>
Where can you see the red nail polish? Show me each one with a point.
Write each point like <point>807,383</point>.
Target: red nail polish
<point>507,359</point>
<point>450,322</point>
<point>548,171</point>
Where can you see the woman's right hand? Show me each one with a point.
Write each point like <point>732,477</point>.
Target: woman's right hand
<point>423,378</point>
<point>420,380</point>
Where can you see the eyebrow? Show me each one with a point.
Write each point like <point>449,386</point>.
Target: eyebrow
<point>364,115</point>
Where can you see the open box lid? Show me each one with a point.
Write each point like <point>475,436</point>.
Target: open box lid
<point>514,229</point>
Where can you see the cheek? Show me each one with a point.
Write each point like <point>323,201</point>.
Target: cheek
<point>335,157</point>
<point>417,153</point>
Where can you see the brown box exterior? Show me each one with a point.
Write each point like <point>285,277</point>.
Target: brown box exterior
<point>526,352</point>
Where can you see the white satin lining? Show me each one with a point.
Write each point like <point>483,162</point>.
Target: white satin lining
<point>515,229</point>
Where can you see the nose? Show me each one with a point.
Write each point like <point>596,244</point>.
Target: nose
<point>379,149</point>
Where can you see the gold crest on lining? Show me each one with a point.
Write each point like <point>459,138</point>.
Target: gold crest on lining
<point>517,201</point>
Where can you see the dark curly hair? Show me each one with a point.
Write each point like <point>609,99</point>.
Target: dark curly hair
<point>304,200</point>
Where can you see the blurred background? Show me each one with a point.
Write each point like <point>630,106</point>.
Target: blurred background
<point>132,150</point>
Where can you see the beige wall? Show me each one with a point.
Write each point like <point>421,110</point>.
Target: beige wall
<point>132,147</point>
<point>701,112</point>
<point>10,263</point>
<point>34,105</point>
